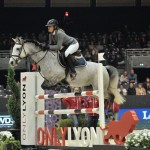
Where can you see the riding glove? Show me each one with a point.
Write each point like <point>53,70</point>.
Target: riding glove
<point>46,47</point>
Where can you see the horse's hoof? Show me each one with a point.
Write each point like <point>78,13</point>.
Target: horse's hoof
<point>43,87</point>
<point>64,90</point>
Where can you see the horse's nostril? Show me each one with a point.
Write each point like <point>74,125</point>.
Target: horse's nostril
<point>11,62</point>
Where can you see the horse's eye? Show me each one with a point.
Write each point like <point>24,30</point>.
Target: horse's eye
<point>17,49</point>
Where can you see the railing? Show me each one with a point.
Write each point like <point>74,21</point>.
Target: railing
<point>130,53</point>
<point>4,60</point>
<point>5,53</point>
<point>138,52</point>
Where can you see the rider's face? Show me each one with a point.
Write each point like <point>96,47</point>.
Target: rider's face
<point>50,29</point>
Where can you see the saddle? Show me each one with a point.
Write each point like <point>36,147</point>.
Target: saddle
<point>78,59</point>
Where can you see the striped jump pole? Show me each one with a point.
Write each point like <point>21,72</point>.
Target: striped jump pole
<point>67,111</point>
<point>64,95</point>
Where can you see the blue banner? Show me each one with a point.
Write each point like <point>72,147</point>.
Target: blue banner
<point>143,115</point>
<point>6,121</point>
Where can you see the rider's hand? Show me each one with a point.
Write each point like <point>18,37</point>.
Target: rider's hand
<point>46,47</point>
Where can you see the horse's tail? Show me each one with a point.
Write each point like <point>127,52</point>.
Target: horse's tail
<point>113,85</point>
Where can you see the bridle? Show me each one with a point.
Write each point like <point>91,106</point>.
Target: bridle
<point>26,55</point>
<point>20,51</point>
<point>23,49</point>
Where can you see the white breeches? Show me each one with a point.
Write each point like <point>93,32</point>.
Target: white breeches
<point>71,49</point>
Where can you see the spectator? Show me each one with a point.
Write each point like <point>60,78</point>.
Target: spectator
<point>112,110</point>
<point>106,55</point>
<point>11,45</point>
<point>140,90</point>
<point>33,36</point>
<point>132,77</point>
<point>124,78</point>
<point>125,31</point>
<point>92,102</point>
<point>88,56</point>
<point>85,51</point>
<point>42,37</point>
<point>95,54</point>
<point>122,90</point>
<point>146,85</point>
<point>131,89</point>
<point>74,103</point>
<point>113,59</point>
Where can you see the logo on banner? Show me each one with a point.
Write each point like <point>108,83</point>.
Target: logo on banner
<point>146,115</point>
<point>24,78</point>
<point>6,121</point>
<point>24,109</point>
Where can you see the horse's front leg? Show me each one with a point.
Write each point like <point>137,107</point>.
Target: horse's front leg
<point>48,85</point>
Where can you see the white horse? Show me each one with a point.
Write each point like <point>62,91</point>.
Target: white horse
<point>55,73</point>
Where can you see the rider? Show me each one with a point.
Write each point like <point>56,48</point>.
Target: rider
<point>57,39</point>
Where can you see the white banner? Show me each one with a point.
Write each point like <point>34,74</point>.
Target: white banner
<point>29,88</point>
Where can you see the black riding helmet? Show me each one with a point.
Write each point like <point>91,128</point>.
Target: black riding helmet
<point>52,22</point>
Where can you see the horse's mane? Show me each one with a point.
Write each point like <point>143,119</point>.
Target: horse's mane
<point>35,42</point>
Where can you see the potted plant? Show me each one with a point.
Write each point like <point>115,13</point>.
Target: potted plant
<point>138,141</point>
<point>13,103</point>
<point>8,142</point>
<point>68,122</point>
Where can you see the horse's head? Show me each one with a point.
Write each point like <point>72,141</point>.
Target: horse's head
<point>18,52</point>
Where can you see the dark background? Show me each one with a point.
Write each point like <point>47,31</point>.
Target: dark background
<point>81,19</point>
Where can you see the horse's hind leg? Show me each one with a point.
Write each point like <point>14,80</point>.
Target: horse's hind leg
<point>113,85</point>
<point>117,96</point>
<point>106,80</point>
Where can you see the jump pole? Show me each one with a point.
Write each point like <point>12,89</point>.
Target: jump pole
<point>64,95</point>
<point>67,111</point>
<point>101,96</point>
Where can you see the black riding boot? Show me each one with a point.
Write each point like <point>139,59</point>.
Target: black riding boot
<point>71,67</point>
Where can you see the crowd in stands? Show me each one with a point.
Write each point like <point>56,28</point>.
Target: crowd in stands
<point>5,92</point>
<point>129,85</point>
<point>114,44</point>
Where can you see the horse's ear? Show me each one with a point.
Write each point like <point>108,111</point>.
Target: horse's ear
<point>14,39</point>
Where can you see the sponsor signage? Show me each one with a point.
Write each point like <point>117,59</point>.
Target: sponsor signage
<point>83,136</point>
<point>142,113</point>
<point>5,121</point>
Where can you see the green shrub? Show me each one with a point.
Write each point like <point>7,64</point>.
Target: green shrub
<point>13,103</point>
<point>69,122</point>
<point>65,122</point>
<point>82,122</point>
